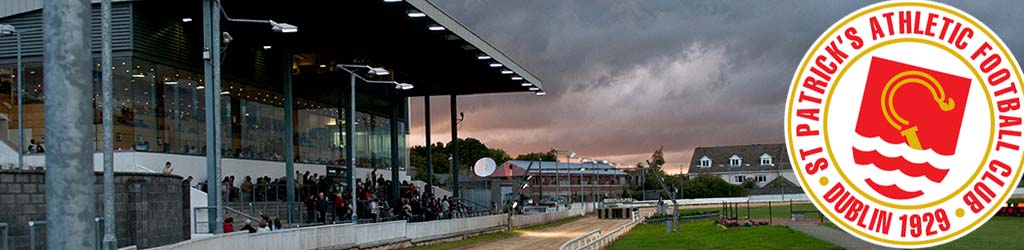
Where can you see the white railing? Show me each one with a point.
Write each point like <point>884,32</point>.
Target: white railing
<point>604,241</point>
<point>579,241</point>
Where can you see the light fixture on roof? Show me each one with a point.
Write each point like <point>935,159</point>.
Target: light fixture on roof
<point>283,27</point>
<point>415,13</point>
<point>483,57</point>
<point>542,93</point>
<point>200,87</point>
<point>187,19</point>
<point>171,83</point>
<point>404,86</point>
<point>225,92</point>
<point>267,47</point>
<point>435,27</point>
<point>507,72</point>
<point>496,65</point>
<point>517,78</point>
<point>534,88</point>
<point>392,1</point>
<point>323,65</point>
<point>378,71</point>
<point>526,84</point>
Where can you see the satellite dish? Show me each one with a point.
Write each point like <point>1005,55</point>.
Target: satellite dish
<point>484,167</point>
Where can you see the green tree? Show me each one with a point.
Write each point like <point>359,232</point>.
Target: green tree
<point>542,156</point>
<point>710,186</point>
<point>658,158</point>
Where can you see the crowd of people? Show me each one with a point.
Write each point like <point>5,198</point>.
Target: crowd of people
<point>374,204</point>
<point>325,201</point>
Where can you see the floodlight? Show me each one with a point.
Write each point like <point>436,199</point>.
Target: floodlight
<point>415,14</point>
<point>283,27</point>
<point>436,27</point>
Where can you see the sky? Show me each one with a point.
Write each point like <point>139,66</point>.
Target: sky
<point>625,77</point>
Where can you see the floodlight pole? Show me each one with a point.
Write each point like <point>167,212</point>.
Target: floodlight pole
<point>350,138</point>
<point>455,147</point>
<point>109,227</point>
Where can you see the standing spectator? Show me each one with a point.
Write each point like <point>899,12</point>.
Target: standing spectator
<point>310,203</point>
<point>339,206</point>
<point>187,181</point>
<point>246,194</point>
<point>167,168</point>
<point>321,208</point>
<point>228,227</point>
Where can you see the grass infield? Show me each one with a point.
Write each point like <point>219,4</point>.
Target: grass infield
<point>706,235</point>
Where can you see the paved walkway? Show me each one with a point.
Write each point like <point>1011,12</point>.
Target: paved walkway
<point>836,237</point>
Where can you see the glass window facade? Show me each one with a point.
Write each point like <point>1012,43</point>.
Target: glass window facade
<point>161,108</point>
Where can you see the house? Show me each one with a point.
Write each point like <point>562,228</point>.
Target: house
<point>760,163</point>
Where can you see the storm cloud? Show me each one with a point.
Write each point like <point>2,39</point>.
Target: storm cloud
<point>626,77</point>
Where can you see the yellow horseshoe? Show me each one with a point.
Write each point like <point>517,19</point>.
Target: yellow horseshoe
<point>889,111</point>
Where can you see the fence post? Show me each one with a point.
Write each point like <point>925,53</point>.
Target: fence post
<point>770,215</point>
<point>748,209</point>
<point>3,226</point>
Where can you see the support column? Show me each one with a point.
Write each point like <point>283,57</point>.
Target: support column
<point>211,63</point>
<point>395,112</point>
<point>455,148</point>
<point>70,191</point>
<point>109,225</point>
<point>430,158</point>
<point>289,134</point>
<point>350,146</point>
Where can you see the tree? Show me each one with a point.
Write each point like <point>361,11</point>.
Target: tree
<point>658,158</point>
<point>498,155</point>
<point>542,156</point>
<point>710,186</point>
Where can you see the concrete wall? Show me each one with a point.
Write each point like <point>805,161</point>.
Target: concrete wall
<point>394,234</point>
<point>152,209</point>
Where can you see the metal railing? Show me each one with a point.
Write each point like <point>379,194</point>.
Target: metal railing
<point>4,229</point>
<point>605,240</point>
<point>579,241</point>
<point>32,233</point>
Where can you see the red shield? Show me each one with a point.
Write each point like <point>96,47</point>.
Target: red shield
<point>915,106</point>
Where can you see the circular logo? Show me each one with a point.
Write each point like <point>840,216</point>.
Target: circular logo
<point>904,123</point>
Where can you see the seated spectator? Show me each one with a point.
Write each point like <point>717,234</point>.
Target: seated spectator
<point>228,227</point>
<point>248,227</point>
<point>277,225</point>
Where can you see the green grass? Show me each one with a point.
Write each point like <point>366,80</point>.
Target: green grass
<point>706,235</point>
<point>495,236</point>
<point>1000,232</point>
<point>761,211</point>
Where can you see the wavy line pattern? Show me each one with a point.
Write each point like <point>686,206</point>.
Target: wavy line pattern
<point>899,163</point>
<point>892,191</point>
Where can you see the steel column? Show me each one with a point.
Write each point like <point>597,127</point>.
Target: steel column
<point>21,115</point>
<point>395,199</point>
<point>211,56</point>
<point>109,230</point>
<point>67,64</point>
<point>350,139</point>
<point>455,147</point>
<point>430,158</point>
<point>289,135</point>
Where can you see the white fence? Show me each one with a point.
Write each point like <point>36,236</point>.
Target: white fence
<point>367,235</point>
<point>597,241</point>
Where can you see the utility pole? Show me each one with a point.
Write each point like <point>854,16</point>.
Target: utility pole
<point>675,211</point>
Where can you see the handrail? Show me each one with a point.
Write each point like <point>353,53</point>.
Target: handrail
<point>575,243</point>
<point>605,240</point>
<point>4,229</point>
<point>195,221</point>
<point>32,232</point>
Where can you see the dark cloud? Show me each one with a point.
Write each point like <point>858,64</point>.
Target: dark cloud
<point>624,77</point>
